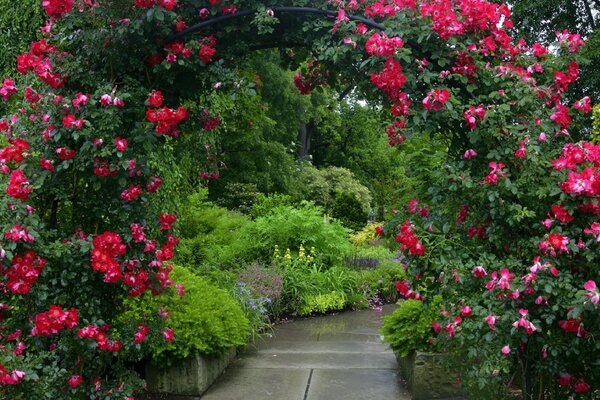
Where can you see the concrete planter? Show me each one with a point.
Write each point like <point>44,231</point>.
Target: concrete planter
<point>427,379</point>
<point>188,379</point>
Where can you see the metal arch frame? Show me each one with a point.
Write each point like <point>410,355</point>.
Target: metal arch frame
<point>276,9</point>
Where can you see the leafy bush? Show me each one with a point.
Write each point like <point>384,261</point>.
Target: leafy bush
<point>322,186</point>
<point>207,320</point>
<point>290,227</point>
<point>322,303</point>
<point>365,236</point>
<point>381,280</point>
<point>304,288</point>
<point>349,211</point>
<point>408,328</point>
<point>264,204</point>
<point>210,234</point>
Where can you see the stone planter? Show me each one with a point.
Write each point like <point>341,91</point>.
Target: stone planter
<point>188,379</point>
<point>427,379</point>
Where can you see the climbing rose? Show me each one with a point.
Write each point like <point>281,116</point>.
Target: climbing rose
<point>155,99</point>
<point>57,8</point>
<point>65,154</point>
<point>169,334</point>
<point>505,351</point>
<point>581,386</point>
<point>436,99</point>
<point>206,53</point>
<point>75,380</point>
<point>132,193</point>
<point>8,89</point>
<point>18,186</point>
<point>121,144</point>
<point>593,293</point>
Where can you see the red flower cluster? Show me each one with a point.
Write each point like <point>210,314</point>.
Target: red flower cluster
<point>167,221</point>
<point>57,8</point>
<point>36,60</point>
<point>316,77</point>
<point>391,80</point>
<point>409,240</point>
<point>166,119</point>
<point>54,321</point>
<point>406,291</point>
<point>474,15</point>
<point>65,154</point>
<point>75,380</point>
<point>106,247</point>
<point>18,234</point>
<point>23,272</point>
<point>394,133</point>
<point>14,152</point>
<point>18,186</point>
<point>497,170</point>
<point>99,334</point>
<point>168,5</point>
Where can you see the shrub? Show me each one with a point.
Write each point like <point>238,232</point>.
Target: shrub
<point>365,236</point>
<point>322,303</point>
<point>381,280</point>
<point>207,320</point>
<point>306,287</point>
<point>290,227</point>
<point>210,234</point>
<point>349,211</point>
<point>408,328</point>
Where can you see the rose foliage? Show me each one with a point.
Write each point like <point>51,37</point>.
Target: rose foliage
<point>510,239</point>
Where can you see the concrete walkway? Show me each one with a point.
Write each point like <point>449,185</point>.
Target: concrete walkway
<point>323,358</point>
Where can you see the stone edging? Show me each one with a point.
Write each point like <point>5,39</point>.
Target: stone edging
<point>427,379</point>
<point>188,379</point>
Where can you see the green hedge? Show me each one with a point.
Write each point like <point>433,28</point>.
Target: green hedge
<point>19,25</point>
<point>207,320</point>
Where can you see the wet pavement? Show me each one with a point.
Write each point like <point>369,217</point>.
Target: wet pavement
<point>323,358</point>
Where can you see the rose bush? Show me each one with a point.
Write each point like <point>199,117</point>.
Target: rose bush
<point>108,83</point>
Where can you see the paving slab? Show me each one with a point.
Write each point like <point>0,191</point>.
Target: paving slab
<point>259,384</point>
<point>285,346</point>
<point>321,360</point>
<point>356,384</point>
<point>334,357</point>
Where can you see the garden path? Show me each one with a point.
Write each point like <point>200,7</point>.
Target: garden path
<point>323,358</point>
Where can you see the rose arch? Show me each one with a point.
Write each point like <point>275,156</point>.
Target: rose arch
<point>510,240</point>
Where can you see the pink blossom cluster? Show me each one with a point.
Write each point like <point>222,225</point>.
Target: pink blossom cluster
<point>380,45</point>
<point>99,334</point>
